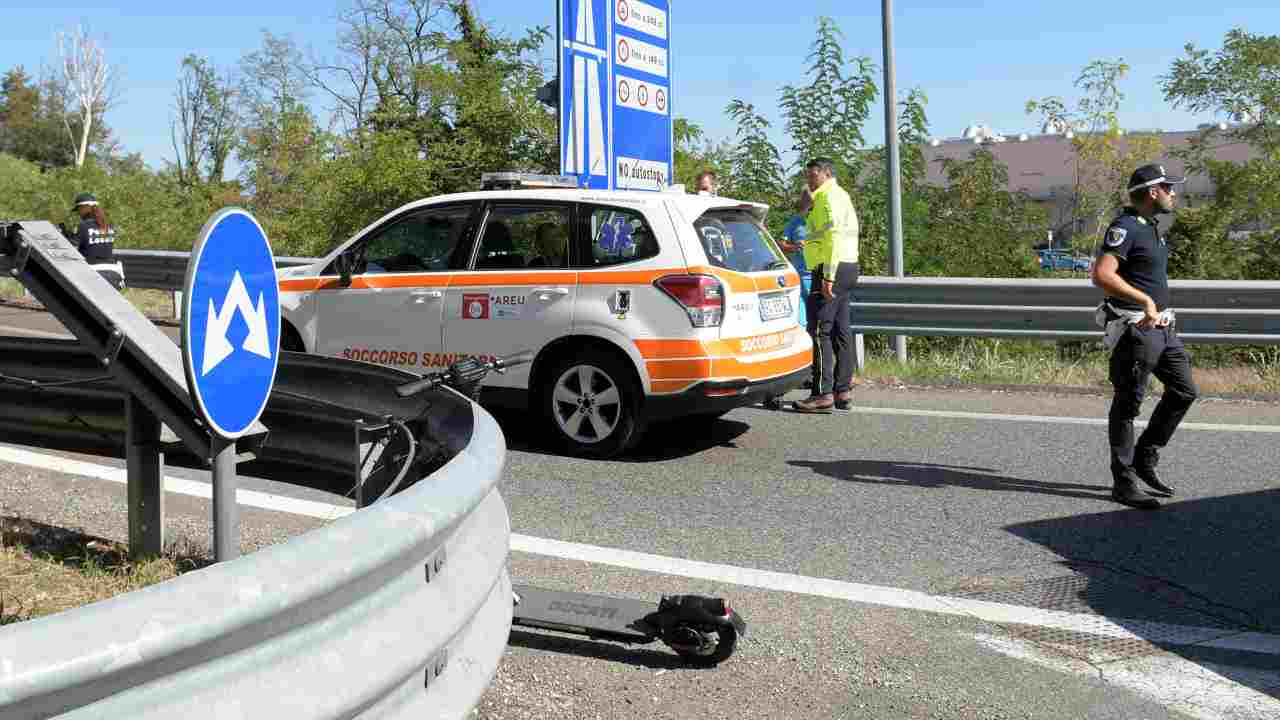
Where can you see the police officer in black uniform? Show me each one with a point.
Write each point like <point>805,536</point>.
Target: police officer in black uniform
<point>1131,269</point>
<point>95,239</point>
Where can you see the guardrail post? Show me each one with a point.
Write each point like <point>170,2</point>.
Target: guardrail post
<point>146,479</point>
<point>177,305</point>
<point>859,353</point>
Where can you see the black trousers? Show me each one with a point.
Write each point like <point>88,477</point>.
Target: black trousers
<point>828,324</point>
<point>1137,356</point>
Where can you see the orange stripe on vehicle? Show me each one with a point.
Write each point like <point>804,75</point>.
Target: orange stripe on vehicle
<point>626,277</point>
<point>733,367</point>
<point>670,369</point>
<point>737,282</point>
<point>364,282</point>
<point>658,349</point>
<point>477,278</point>
<point>305,284</point>
<point>769,283</point>
<point>753,345</point>
<point>669,386</point>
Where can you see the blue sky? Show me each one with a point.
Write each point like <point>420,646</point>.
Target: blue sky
<point>975,64</point>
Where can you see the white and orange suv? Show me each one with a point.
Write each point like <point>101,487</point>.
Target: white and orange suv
<point>638,306</point>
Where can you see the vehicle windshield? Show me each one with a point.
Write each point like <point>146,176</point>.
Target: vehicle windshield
<point>733,239</point>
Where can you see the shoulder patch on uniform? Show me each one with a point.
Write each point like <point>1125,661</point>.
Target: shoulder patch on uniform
<point>1115,236</point>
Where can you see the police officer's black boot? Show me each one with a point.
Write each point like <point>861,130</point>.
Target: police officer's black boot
<point>1125,491</point>
<point>1145,460</point>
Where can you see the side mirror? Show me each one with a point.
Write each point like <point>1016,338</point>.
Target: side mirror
<point>343,264</point>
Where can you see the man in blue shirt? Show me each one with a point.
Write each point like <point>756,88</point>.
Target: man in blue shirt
<point>793,238</point>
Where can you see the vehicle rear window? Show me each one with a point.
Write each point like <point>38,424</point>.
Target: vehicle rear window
<point>735,240</point>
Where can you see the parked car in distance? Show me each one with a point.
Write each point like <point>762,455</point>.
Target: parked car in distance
<point>1062,260</point>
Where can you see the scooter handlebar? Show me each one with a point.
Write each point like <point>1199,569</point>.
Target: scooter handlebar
<point>510,361</point>
<point>462,373</point>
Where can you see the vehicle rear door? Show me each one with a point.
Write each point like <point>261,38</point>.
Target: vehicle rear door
<point>518,294</point>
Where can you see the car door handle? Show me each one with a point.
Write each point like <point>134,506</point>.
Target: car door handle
<point>421,296</point>
<point>545,293</point>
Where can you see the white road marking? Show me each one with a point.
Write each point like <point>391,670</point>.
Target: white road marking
<point>180,486</point>
<point>997,613</point>
<point>1200,689</point>
<point>1053,419</point>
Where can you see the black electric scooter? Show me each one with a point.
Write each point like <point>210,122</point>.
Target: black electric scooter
<point>703,631</point>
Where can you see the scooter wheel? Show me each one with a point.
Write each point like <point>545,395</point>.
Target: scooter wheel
<point>717,644</point>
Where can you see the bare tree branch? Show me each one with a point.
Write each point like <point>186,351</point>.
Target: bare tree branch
<point>87,76</point>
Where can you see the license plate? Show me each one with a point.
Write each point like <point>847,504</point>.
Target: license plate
<point>774,306</point>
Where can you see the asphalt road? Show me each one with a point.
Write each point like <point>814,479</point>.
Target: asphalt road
<point>920,499</point>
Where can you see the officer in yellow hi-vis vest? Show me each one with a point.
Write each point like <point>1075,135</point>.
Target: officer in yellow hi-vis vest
<point>831,253</point>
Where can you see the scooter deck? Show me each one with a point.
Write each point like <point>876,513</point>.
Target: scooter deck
<point>581,613</point>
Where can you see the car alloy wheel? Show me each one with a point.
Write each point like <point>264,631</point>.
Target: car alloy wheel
<point>586,404</point>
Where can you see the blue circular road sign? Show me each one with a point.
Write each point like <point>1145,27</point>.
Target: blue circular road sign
<point>231,322</point>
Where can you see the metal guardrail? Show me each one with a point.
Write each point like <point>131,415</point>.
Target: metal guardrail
<point>167,269</point>
<point>1209,311</point>
<point>401,609</point>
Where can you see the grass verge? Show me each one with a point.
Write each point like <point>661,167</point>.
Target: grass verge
<point>155,304</point>
<point>1217,369</point>
<point>46,569</point>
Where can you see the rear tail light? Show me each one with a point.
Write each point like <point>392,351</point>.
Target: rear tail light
<point>701,296</point>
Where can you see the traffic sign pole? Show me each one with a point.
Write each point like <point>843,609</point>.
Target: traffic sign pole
<point>230,349</point>
<point>226,513</point>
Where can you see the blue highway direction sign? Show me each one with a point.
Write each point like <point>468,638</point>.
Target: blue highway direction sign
<point>615,93</point>
<point>231,322</point>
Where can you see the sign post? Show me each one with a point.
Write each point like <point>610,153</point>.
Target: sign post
<point>615,93</point>
<point>230,348</point>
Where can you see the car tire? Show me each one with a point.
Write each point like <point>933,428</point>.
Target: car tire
<point>592,404</point>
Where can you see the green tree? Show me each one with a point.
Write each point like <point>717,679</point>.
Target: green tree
<point>825,117</point>
<point>1104,155</point>
<point>871,193</point>
<point>205,124</point>
<point>1242,81</point>
<point>976,227</point>
<point>31,120</point>
<point>755,166</point>
<point>694,152</point>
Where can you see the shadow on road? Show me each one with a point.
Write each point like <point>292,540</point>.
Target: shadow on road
<point>1207,564</point>
<point>929,475</point>
<point>595,650</point>
<point>671,440</point>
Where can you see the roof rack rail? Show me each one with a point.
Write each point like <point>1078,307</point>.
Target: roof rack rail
<point>526,181</point>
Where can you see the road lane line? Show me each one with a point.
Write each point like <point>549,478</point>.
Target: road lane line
<point>1202,690</point>
<point>180,486</point>
<point>1053,419</point>
<point>997,613</point>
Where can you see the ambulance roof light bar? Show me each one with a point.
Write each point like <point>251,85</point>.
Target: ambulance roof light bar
<point>526,181</point>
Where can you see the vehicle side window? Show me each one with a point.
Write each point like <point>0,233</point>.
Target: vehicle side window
<point>524,236</point>
<point>425,240</point>
<point>616,235</point>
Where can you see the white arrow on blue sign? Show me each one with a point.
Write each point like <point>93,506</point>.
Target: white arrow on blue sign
<point>231,322</point>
